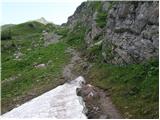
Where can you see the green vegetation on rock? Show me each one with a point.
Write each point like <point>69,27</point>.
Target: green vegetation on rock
<point>63,31</point>
<point>101,15</point>
<point>94,53</point>
<point>101,19</point>
<point>75,37</point>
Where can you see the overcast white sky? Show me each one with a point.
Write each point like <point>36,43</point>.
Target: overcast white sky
<point>56,11</point>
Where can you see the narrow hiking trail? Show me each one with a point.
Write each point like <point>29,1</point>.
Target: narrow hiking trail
<point>98,103</point>
<point>63,101</point>
<point>68,72</point>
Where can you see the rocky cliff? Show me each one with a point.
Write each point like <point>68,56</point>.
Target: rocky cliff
<point>128,32</point>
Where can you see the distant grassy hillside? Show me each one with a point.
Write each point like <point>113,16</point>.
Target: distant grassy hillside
<point>3,27</point>
<point>21,29</point>
<point>20,36</point>
<point>27,28</point>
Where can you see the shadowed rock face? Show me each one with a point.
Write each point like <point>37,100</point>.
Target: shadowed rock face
<point>131,33</point>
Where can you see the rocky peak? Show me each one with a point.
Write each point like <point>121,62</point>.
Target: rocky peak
<point>42,20</point>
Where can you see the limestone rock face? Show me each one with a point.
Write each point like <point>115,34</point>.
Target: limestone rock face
<point>131,32</point>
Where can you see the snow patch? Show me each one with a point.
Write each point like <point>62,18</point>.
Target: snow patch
<point>61,102</point>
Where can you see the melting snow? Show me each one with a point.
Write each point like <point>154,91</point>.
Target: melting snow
<point>61,102</point>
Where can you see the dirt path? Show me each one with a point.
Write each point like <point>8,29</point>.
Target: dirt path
<point>97,101</point>
<point>107,107</point>
<point>68,72</point>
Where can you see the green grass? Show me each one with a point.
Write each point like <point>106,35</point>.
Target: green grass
<point>94,53</point>
<point>6,34</point>
<point>27,28</point>
<point>32,77</point>
<point>26,65</point>
<point>75,38</point>
<point>22,30</point>
<point>63,31</point>
<point>10,66</point>
<point>101,19</point>
<point>101,15</point>
<point>28,78</point>
<point>134,87</point>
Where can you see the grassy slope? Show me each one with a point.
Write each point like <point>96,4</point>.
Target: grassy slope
<point>134,88</point>
<point>27,28</point>
<point>30,81</point>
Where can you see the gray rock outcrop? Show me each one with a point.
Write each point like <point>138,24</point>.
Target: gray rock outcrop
<point>130,33</point>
